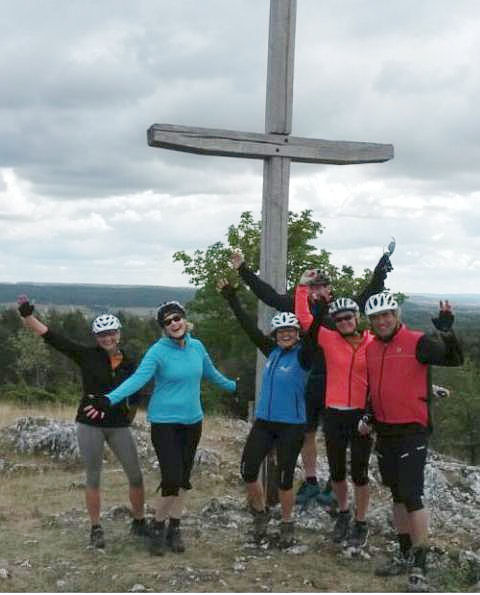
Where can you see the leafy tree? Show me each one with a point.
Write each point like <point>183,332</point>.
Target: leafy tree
<point>32,361</point>
<point>456,428</point>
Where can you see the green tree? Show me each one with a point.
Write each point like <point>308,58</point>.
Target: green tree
<point>456,428</point>
<point>32,361</point>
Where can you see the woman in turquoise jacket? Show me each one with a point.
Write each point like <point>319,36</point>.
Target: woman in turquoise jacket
<point>177,363</point>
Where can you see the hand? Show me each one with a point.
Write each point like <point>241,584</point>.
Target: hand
<point>314,277</point>
<point>237,259</point>
<point>321,293</point>
<point>445,318</point>
<point>365,425</point>
<point>224,287</point>
<point>222,284</point>
<point>25,308</point>
<point>98,408</point>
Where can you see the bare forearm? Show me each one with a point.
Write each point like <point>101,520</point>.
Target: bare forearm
<point>35,325</point>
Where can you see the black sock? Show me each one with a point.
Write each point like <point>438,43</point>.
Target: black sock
<point>98,526</point>
<point>311,480</point>
<point>405,543</point>
<point>174,523</point>
<point>158,524</point>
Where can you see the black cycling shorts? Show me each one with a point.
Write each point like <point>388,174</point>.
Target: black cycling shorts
<point>341,431</point>
<point>401,460</point>
<point>287,439</point>
<point>175,445</point>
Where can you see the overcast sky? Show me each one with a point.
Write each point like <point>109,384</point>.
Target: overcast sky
<point>84,199</point>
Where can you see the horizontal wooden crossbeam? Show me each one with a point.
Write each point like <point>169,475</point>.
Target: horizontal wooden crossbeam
<point>251,145</point>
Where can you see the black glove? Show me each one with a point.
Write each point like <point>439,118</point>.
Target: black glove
<point>444,321</point>
<point>25,308</point>
<point>98,406</point>
<point>384,265</point>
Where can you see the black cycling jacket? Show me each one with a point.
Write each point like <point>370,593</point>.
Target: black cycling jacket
<point>98,378</point>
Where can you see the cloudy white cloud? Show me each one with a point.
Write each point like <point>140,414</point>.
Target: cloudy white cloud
<point>84,199</point>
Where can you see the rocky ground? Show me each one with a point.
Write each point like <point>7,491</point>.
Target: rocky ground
<point>45,529</point>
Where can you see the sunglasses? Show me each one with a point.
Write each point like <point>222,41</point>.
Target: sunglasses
<point>168,321</point>
<point>106,333</point>
<point>345,318</point>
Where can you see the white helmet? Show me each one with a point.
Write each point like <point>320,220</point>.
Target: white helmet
<point>380,302</point>
<point>105,322</point>
<point>343,305</point>
<point>284,320</point>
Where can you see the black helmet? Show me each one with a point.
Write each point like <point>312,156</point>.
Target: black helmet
<point>169,308</point>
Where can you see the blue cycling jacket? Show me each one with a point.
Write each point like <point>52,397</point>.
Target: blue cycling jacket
<point>282,396</point>
<point>177,372</point>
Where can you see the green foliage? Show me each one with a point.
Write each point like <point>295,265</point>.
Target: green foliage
<point>32,359</point>
<point>456,428</point>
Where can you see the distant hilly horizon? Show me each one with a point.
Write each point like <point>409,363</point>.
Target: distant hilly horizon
<point>99,295</point>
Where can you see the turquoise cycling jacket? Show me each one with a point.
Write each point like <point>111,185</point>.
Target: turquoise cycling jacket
<point>177,372</point>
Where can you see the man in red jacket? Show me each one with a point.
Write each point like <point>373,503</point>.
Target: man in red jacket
<point>398,361</point>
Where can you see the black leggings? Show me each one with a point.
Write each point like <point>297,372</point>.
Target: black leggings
<point>175,445</point>
<point>341,430</point>
<point>264,435</point>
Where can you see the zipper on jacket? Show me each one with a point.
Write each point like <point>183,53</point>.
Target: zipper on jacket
<point>380,380</point>
<point>273,368</point>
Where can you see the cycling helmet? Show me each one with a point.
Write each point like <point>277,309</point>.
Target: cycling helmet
<point>343,305</point>
<point>169,308</point>
<point>105,322</point>
<point>284,320</point>
<point>380,302</point>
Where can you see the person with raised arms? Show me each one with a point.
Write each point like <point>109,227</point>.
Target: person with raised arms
<point>320,289</point>
<point>177,362</point>
<point>346,390</point>
<point>280,414</point>
<point>103,367</point>
<point>398,361</point>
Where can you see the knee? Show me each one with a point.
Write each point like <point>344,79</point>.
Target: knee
<point>136,481</point>
<point>249,475</point>
<point>169,489</point>
<point>360,477</point>
<point>93,479</point>
<point>413,503</point>
<point>285,480</point>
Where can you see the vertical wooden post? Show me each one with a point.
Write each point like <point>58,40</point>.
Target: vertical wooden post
<point>276,176</point>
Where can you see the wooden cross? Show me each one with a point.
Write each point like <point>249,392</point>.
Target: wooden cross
<point>277,149</point>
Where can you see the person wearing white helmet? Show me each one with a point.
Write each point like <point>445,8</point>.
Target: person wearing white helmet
<point>398,361</point>
<point>345,403</point>
<point>102,367</point>
<point>280,414</point>
<point>177,363</point>
<point>319,283</point>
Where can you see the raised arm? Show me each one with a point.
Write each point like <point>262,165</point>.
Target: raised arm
<point>441,348</point>
<point>377,282</point>
<point>262,290</point>
<point>261,341</point>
